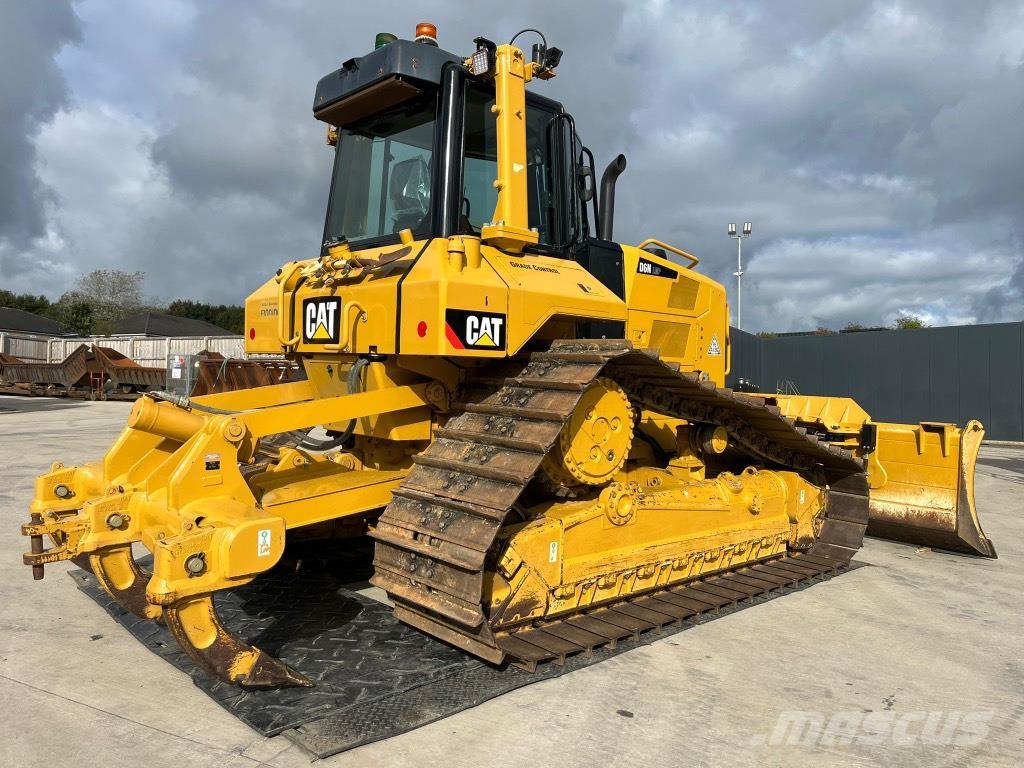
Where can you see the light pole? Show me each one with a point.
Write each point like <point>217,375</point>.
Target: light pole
<point>738,237</point>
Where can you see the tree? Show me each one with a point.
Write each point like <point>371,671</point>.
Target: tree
<point>189,308</point>
<point>229,317</point>
<point>71,311</point>
<point>26,302</point>
<point>909,322</point>
<point>854,327</point>
<point>98,301</point>
<point>74,314</point>
<point>821,330</point>
<point>110,294</point>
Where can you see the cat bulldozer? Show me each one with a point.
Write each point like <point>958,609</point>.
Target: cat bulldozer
<point>529,418</point>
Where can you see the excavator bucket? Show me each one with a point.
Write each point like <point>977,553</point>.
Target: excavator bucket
<point>922,486</point>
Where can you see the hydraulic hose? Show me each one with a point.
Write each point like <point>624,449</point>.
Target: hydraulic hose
<point>355,386</point>
<point>183,402</point>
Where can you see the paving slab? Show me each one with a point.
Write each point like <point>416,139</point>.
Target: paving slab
<point>914,658</point>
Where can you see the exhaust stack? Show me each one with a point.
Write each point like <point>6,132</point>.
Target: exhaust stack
<point>608,179</point>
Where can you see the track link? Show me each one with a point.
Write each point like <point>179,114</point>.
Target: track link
<point>433,539</point>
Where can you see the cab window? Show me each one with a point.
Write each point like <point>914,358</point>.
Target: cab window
<point>480,167</point>
<point>383,174</point>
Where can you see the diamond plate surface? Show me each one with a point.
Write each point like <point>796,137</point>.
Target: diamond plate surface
<point>375,677</point>
<point>352,647</point>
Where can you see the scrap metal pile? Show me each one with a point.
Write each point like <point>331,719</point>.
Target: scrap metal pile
<point>94,372</point>
<point>216,373</point>
<point>90,372</point>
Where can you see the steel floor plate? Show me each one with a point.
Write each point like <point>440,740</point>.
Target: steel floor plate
<point>375,677</point>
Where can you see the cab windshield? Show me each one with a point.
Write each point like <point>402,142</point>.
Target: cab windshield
<point>383,172</point>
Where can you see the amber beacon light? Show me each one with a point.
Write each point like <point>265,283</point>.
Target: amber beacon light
<point>426,33</point>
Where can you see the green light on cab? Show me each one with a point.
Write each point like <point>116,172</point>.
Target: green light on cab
<point>382,39</point>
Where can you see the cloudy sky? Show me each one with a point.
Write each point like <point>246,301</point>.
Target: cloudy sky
<point>878,147</point>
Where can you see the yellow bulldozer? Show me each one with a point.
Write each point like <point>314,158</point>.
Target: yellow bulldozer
<point>529,418</point>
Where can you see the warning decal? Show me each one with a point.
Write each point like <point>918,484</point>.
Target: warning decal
<point>263,542</point>
<point>713,348</point>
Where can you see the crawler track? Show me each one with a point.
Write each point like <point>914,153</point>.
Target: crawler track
<point>434,537</point>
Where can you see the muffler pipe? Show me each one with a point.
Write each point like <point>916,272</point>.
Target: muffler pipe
<point>608,179</point>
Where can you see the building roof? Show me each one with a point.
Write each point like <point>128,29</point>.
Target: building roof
<point>159,324</point>
<point>27,322</point>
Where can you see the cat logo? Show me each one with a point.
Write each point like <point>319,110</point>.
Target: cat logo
<point>475,330</point>
<point>321,320</point>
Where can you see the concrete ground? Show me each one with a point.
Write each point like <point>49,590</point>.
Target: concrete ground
<point>914,659</point>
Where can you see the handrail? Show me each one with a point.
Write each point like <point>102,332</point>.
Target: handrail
<point>728,349</point>
<point>344,331</point>
<point>694,261</point>
<point>284,311</point>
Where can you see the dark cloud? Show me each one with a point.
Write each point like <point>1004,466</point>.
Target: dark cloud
<point>878,147</point>
<point>239,168</point>
<point>32,89</point>
<point>854,131</point>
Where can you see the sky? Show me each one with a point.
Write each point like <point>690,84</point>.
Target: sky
<point>877,147</point>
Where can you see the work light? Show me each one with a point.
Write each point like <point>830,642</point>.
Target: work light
<point>482,60</point>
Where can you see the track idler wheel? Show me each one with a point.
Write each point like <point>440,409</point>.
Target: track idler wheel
<point>594,443</point>
<point>122,578</point>
<point>198,630</point>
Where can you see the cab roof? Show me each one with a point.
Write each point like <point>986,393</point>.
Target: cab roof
<point>381,78</point>
<point>384,77</point>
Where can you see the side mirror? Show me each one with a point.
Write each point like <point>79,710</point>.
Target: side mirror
<point>585,182</point>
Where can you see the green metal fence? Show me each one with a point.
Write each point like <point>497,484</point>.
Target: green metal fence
<point>931,374</point>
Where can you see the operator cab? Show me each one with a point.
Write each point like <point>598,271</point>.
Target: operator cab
<point>416,148</point>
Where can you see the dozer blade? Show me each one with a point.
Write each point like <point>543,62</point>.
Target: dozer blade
<point>198,630</point>
<point>122,578</point>
<point>922,486</point>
